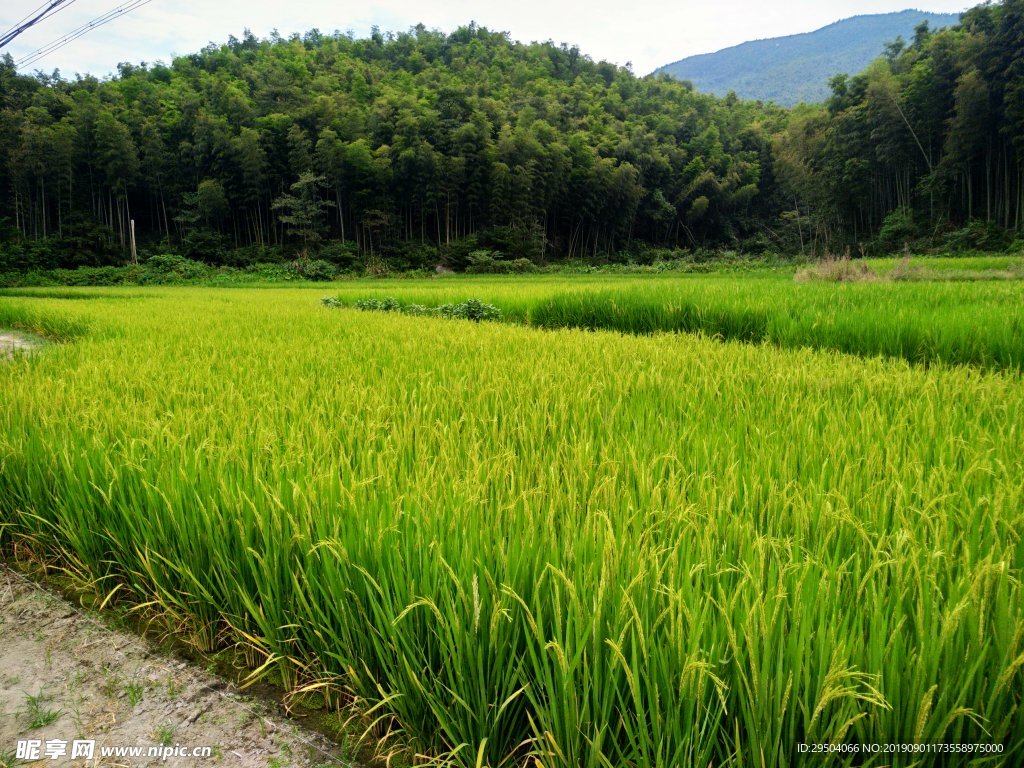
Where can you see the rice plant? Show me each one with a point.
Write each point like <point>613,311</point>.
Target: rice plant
<point>947,322</point>
<point>511,546</point>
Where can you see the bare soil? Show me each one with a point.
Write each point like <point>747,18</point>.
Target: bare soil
<point>65,675</point>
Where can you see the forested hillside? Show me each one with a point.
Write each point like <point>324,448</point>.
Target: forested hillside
<point>924,141</point>
<point>796,68</point>
<point>396,148</point>
<point>411,150</point>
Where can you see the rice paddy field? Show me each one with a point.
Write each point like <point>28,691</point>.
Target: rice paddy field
<point>575,538</point>
<point>949,322</point>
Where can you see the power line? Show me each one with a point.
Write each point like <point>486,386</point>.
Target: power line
<point>27,17</point>
<point>74,34</point>
<point>44,11</point>
<point>55,45</point>
<point>31,19</point>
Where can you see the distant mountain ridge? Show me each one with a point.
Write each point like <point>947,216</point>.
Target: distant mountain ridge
<point>788,70</point>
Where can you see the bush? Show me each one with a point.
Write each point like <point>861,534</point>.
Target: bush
<point>455,255</point>
<point>978,235</point>
<point>641,254</point>
<point>897,229</point>
<point>408,255</point>
<point>472,309</point>
<point>83,244</point>
<point>169,268</point>
<point>25,255</point>
<point>319,270</point>
<point>491,262</point>
<point>388,304</point>
<point>252,256</point>
<point>92,276</point>
<point>207,246</point>
<point>758,245</point>
<point>522,242</point>
<point>343,255</point>
<point>271,272</point>
<point>491,250</point>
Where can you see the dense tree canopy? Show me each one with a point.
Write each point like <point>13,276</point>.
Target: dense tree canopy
<point>421,147</point>
<point>419,140</point>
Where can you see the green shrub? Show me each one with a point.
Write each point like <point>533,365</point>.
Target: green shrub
<point>343,255</point>
<point>388,304</point>
<point>206,246</point>
<point>169,268</point>
<point>409,255</point>
<point>483,262</point>
<point>93,276</point>
<point>514,243</point>
<point>897,229</point>
<point>977,235</point>
<point>83,276</point>
<point>249,257</point>
<point>471,309</point>
<point>271,272</point>
<point>318,269</point>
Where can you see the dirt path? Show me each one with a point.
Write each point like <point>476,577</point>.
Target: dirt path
<point>64,676</point>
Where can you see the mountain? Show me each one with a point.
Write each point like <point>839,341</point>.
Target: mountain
<point>796,68</point>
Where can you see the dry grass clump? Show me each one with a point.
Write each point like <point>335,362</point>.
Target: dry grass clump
<point>837,269</point>
<point>843,269</point>
<point>904,271</point>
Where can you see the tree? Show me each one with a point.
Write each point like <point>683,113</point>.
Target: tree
<point>304,211</point>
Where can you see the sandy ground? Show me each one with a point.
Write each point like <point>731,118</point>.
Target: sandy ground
<point>65,676</point>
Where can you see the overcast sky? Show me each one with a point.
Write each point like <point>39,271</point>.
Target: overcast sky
<point>647,33</point>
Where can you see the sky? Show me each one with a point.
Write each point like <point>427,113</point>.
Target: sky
<point>645,33</point>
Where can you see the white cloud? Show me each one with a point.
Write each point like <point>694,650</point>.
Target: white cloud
<point>648,33</point>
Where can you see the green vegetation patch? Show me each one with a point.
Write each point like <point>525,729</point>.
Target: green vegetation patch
<point>950,322</point>
<point>470,309</point>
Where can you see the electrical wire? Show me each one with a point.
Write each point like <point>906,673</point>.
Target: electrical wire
<point>44,11</point>
<point>55,45</point>
<point>74,34</point>
<point>28,16</point>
